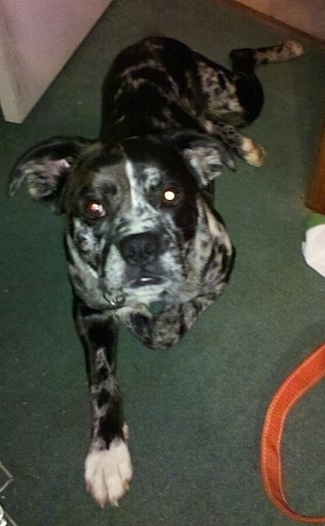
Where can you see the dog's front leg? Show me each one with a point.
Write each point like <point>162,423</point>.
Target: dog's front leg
<point>108,468</point>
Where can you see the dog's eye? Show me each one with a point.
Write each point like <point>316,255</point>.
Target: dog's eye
<point>171,196</point>
<point>95,210</point>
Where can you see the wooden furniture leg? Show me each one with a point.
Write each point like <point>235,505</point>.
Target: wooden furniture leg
<point>316,194</point>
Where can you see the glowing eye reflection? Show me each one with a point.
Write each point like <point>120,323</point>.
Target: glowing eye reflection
<point>170,196</point>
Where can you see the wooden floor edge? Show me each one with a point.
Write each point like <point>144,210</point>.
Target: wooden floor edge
<point>274,22</point>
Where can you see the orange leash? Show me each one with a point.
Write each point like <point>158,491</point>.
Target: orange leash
<point>303,378</point>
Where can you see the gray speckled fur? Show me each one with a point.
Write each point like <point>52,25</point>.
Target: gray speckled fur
<point>170,122</point>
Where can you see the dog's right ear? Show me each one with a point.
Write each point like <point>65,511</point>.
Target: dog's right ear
<point>206,155</point>
<point>46,167</point>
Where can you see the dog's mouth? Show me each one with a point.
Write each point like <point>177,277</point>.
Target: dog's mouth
<point>150,280</point>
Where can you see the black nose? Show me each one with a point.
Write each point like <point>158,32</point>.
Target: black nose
<point>140,249</point>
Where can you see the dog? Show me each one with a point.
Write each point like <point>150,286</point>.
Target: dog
<point>141,228</point>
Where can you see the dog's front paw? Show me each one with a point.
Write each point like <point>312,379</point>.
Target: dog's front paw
<point>108,473</point>
<point>252,152</point>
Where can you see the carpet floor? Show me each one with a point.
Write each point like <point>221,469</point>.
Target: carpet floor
<point>196,412</point>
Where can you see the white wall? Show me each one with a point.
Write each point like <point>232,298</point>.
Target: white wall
<point>37,37</point>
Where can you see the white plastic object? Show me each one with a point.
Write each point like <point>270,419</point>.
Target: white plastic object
<point>3,521</point>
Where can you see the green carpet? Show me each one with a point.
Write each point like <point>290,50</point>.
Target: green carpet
<point>196,412</point>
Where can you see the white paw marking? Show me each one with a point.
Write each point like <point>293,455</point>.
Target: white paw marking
<point>108,473</point>
<point>253,153</point>
<point>293,48</point>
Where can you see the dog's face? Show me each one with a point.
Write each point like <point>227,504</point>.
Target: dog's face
<point>132,214</point>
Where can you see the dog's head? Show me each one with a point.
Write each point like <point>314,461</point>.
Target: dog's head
<point>132,211</point>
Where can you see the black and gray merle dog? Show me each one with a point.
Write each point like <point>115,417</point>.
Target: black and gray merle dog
<point>140,225</point>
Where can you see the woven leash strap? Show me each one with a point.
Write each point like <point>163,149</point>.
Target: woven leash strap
<point>303,378</point>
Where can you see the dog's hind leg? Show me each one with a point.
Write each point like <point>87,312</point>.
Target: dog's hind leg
<point>243,146</point>
<point>108,468</point>
<point>235,98</point>
<point>232,100</point>
<point>246,60</point>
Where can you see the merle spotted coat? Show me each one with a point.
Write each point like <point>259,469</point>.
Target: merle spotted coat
<point>141,228</point>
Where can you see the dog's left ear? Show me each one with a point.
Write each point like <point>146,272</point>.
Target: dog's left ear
<point>46,167</point>
<point>206,155</point>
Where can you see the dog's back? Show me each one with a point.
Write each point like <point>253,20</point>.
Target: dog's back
<point>160,85</point>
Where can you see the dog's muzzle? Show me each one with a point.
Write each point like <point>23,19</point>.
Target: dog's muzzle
<point>141,252</point>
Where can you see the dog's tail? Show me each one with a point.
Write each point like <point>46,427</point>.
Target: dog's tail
<point>246,60</point>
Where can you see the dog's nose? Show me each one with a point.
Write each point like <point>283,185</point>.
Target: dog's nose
<point>140,249</point>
